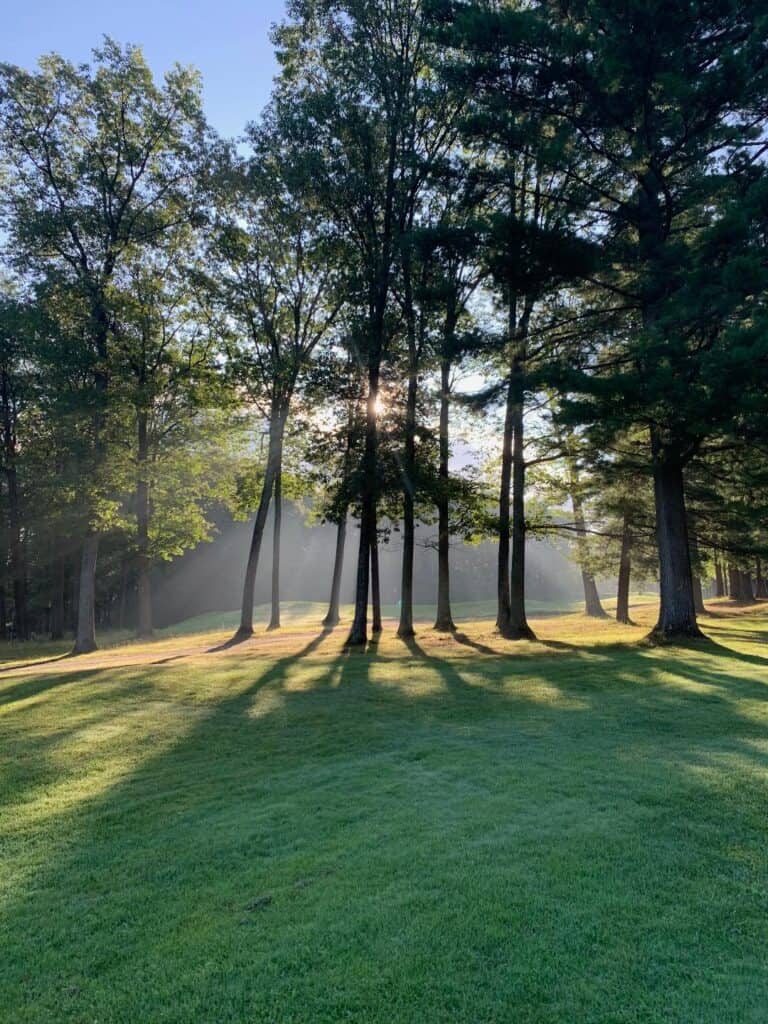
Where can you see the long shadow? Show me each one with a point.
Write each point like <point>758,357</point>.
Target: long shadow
<point>34,664</point>
<point>279,773</point>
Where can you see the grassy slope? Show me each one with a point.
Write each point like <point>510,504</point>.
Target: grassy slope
<point>437,833</point>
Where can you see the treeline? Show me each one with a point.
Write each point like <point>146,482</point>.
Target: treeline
<point>548,219</point>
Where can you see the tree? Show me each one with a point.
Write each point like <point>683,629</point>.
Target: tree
<point>100,163</point>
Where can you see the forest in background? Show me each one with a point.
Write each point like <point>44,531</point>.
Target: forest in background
<point>535,232</point>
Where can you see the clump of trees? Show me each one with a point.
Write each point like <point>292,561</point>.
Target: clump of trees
<point>562,200</point>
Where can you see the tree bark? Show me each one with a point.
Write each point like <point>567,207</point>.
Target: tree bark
<point>278,417</point>
<point>143,511</point>
<point>503,592</point>
<point>17,559</point>
<point>274,620</point>
<point>444,620</point>
<point>405,626</point>
<point>518,628</point>
<point>358,635</point>
<point>85,637</point>
<point>3,613</point>
<point>677,611</point>
<point>625,570</point>
<point>376,625</point>
<point>332,617</point>
<point>592,604</point>
<point>719,581</point>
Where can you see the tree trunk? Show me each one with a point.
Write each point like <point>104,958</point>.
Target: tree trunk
<point>3,613</point>
<point>276,427</point>
<point>376,625</point>
<point>332,618</point>
<point>405,626</point>
<point>761,590</point>
<point>143,557</point>
<point>518,628</point>
<point>625,570</point>
<point>444,620</point>
<point>503,591</point>
<point>85,637</point>
<point>677,612</point>
<point>358,635</point>
<point>747,593</point>
<point>274,620</point>
<point>693,546</point>
<point>719,581</point>
<point>592,604</point>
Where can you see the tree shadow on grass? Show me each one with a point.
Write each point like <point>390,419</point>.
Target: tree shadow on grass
<point>316,771</point>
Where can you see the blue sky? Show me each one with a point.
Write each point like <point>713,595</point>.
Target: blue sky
<point>227,40</point>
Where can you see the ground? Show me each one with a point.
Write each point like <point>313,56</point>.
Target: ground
<point>453,830</point>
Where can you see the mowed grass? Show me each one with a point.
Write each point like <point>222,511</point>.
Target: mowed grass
<point>457,829</point>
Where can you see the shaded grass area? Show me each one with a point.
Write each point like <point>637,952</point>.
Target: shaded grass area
<point>457,829</point>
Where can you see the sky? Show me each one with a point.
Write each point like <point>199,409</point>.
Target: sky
<point>227,40</point>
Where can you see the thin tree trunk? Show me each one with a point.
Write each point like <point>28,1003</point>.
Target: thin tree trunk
<point>719,581</point>
<point>376,625</point>
<point>405,626</point>
<point>276,428</point>
<point>592,603</point>
<point>85,637</point>
<point>444,620</point>
<point>3,613</point>
<point>332,617</point>
<point>693,546</point>
<point>503,592</point>
<point>274,620</point>
<point>625,571</point>
<point>358,635</point>
<point>518,628</point>
<point>143,557</point>
<point>677,612</point>
<point>17,560</point>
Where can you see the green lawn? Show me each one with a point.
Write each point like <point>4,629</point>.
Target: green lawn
<point>573,831</point>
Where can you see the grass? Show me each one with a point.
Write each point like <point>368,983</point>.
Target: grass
<point>454,830</point>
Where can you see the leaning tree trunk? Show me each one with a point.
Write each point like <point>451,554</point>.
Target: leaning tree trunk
<point>444,620</point>
<point>277,503</point>
<point>677,611</point>
<point>332,617</point>
<point>518,628</point>
<point>85,637</point>
<point>274,456</point>
<point>358,635</point>
<point>625,571</point>
<point>143,557</point>
<point>376,625</point>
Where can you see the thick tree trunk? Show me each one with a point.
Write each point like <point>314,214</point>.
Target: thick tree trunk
<point>376,625</point>
<point>747,592</point>
<point>276,428</point>
<point>277,503</point>
<point>761,590</point>
<point>143,557</point>
<point>625,571</point>
<point>444,620</point>
<point>358,635</point>
<point>85,636</point>
<point>332,617</point>
<point>518,628</point>
<point>677,612</point>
